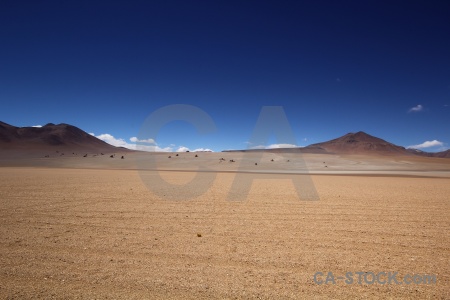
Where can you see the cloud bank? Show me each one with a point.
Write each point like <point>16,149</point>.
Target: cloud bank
<point>152,147</point>
<point>426,144</point>
<point>184,149</point>
<point>147,141</point>
<point>417,108</point>
<point>276,146</point>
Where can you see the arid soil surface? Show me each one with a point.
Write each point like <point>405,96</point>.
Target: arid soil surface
<point>75,229</point>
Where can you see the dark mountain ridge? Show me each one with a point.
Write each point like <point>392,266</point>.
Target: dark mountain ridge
<point>68,137</point>
<point>361,143</point>
<point>51,136</point>
<point>356,143</point>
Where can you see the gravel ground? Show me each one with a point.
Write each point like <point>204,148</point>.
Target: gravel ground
<point>102,234</point>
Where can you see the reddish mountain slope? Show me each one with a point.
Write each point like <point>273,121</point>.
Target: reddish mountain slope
<point>443,154</point>
<point>361,143</point>
<point>50,137</point>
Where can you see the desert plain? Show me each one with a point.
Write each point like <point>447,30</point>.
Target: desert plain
<point>96,227</point>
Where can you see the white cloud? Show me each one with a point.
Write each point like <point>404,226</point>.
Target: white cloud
<point>275,146</point>
<point>118,142</point>
<point>136,140</point>
<point>106,137</point>
<point>426,144</point>
<point>417,108</point>
<point>37,126</point>
<point>202,150</point>
<point>182,149</point>
<point>151,148</point>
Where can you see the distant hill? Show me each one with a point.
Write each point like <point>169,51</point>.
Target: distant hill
<point>443,154</point>
<point>420,152</point>
<point>354,143</point>
<point>361,143</point>
<point>309,149</point>
<point>63,137</point>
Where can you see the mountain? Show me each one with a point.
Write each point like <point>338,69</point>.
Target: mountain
<point>360,143</point>
<point>50,137</point>
<point>420,152</point>
<point>309,149</point>
<point>354,143</point>
<point>443,154</point>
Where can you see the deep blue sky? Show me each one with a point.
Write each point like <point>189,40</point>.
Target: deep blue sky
<point>335,67</point>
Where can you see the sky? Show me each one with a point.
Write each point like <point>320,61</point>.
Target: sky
<point>335,67</point>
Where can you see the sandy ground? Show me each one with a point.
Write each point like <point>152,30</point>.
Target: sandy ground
<point>73,228</point>
<point>243,162</point>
